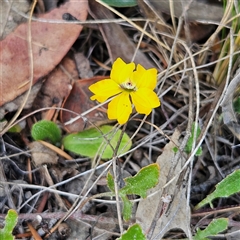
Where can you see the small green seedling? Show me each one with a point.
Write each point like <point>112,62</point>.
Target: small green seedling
<point>188,147</point>
<point>189,144</point>
<point>139,184</point>
<point>92,141</point>
<point>10,222</point>
<point>46,130</point>
<point>227,187</point>
<point>133,232</point>
<point>215,227</point>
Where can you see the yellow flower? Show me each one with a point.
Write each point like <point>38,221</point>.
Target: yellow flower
<point>128,87</point>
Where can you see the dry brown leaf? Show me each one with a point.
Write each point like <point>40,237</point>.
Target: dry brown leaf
<point>14,105</point>
<point>78,102</point>
<point>50,42</point>
<point>57,85</point>
<point>196,10</point>
<point>57,150</point>
<point>229,117</point>
<point>82,230</point>
<point>118,43</point>
<point>83,65</point>
<point>197,31</point>
<point>42,154</point>
<point>156,218</point>
<point>11,15</point>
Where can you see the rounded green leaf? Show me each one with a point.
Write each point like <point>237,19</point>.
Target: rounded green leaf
<point>46,130</point>
<point>121,3</point>
<point>93,141</point>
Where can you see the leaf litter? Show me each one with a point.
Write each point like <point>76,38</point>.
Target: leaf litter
<point>192,83</point>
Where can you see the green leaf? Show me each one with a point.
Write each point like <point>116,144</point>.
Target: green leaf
<point>198,152</point>
<point>127,207</point>
<point>46,130</point>
<point>227,187</point>
<point>175,149</point>
<point>215,227</point>
<point>133,232</point>
<point>92,141</point>
<point>189,144</point>
<point>121,3</point>
<point>15,129</point>
<point>10,222</point>
<point>145,179</point>
<point>110,182</point>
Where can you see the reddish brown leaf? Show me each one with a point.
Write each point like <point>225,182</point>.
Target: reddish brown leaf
<point>79,101</point>
<point>57,85</point>
<point>50,43</point>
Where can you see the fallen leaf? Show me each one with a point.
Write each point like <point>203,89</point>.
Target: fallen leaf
<point>196,10</point>
<point>197,31</point>
<point>10,17</point>
<point>14,105</point>
<point>229,117</point>
<point>156,220</point>
<point>57,150</point>
<point>118,43</point>
<point>41,154</point>
<point>80,229</point>
<point>83,65</point>
<point>79,102</point>
<point>50,42</point>
<point>57,85</point>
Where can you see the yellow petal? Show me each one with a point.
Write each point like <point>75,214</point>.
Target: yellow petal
<point>104,89</point>
<point>121,71</point>
<point>145,100</point>
<point>145,78</point>
<point>120,108</point>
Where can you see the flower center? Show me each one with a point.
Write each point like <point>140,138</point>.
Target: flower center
<point>128,85</point>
